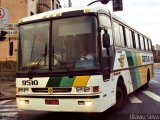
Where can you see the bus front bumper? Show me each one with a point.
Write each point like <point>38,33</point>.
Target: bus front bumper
<point>61,103</point>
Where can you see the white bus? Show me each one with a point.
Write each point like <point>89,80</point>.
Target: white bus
<point>52,77</point>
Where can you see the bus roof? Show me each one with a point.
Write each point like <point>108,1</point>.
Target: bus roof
<point>93,8</point>
<point>58,12</point>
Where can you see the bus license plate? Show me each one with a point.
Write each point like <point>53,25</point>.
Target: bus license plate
<point>52,102</point>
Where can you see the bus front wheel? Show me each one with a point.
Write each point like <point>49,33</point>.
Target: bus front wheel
<point>121,96</point>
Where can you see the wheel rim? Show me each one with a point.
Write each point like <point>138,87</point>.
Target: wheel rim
<point>119,95</point>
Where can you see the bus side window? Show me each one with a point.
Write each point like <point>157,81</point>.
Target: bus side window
<point>137,41</point>
<point>106,22</point>
<point>146,43</point>
<point>117,34</point>
<point>133,39</point>
<point>122,35</point>
<point>128,38</point>
<point>149,43</point>
<point>111,36</point>
<point>141,43</point>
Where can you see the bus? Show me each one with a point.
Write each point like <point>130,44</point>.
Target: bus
<point>51,77</point>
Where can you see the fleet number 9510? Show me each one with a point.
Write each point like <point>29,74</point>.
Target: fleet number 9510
<point>30,82</point>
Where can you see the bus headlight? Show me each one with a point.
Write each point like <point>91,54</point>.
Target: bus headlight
<point>86,103</point>
<point>22,102</point>
<point>22,90</point>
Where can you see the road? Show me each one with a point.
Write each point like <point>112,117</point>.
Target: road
<point>142,104</point>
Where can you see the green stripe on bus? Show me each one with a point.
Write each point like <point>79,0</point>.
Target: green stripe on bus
<point>138,77</point>
<point>135,75</point>
<point>67,82</point>
<point>134,58</point>
<point>129,58</point>
<point>134,79</point>
<point>54,82</point>
<point>132,62</point>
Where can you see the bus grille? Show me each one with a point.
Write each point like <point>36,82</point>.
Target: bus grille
<point>55,90</point>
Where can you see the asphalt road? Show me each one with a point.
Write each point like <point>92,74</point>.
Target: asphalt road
<point>142,104</point>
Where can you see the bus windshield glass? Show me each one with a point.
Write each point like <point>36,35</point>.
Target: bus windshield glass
<point>34,40</point>
<point>73,46</point>
<point>75,43</point>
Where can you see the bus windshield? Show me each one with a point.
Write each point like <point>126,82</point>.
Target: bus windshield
<point>73,46</point>
<point>34,40</point>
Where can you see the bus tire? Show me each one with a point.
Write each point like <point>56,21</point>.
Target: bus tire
<point>121,96</point>
<point>148,79</point>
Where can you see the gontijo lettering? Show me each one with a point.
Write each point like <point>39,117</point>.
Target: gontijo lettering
<point>146,58</point>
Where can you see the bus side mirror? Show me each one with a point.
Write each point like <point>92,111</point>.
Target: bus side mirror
<point>11,48</point>
<point>106,40</point>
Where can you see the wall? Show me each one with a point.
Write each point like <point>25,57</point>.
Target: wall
<point>17,9</point>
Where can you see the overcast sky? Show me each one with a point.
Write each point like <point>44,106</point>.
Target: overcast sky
<point>142,14</point>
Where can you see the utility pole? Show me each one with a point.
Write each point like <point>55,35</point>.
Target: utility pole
<point>69,3</point>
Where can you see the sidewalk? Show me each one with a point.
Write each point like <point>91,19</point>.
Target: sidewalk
<point>7,89</point>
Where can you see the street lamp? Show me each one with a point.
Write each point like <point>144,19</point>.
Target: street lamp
<point>102,1</point>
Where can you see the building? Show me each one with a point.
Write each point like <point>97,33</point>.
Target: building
<point>156,52</point>
<point>22,8</point>
<point>157,47</point>
<point>11,11</point>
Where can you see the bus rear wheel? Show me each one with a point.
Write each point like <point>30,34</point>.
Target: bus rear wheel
<point>148,79</point>
<point>121,96</point>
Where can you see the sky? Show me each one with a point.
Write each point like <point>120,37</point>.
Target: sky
<point>144,15</point>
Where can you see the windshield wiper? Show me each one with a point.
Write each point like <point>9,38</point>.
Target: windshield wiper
<point>34,66</point>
